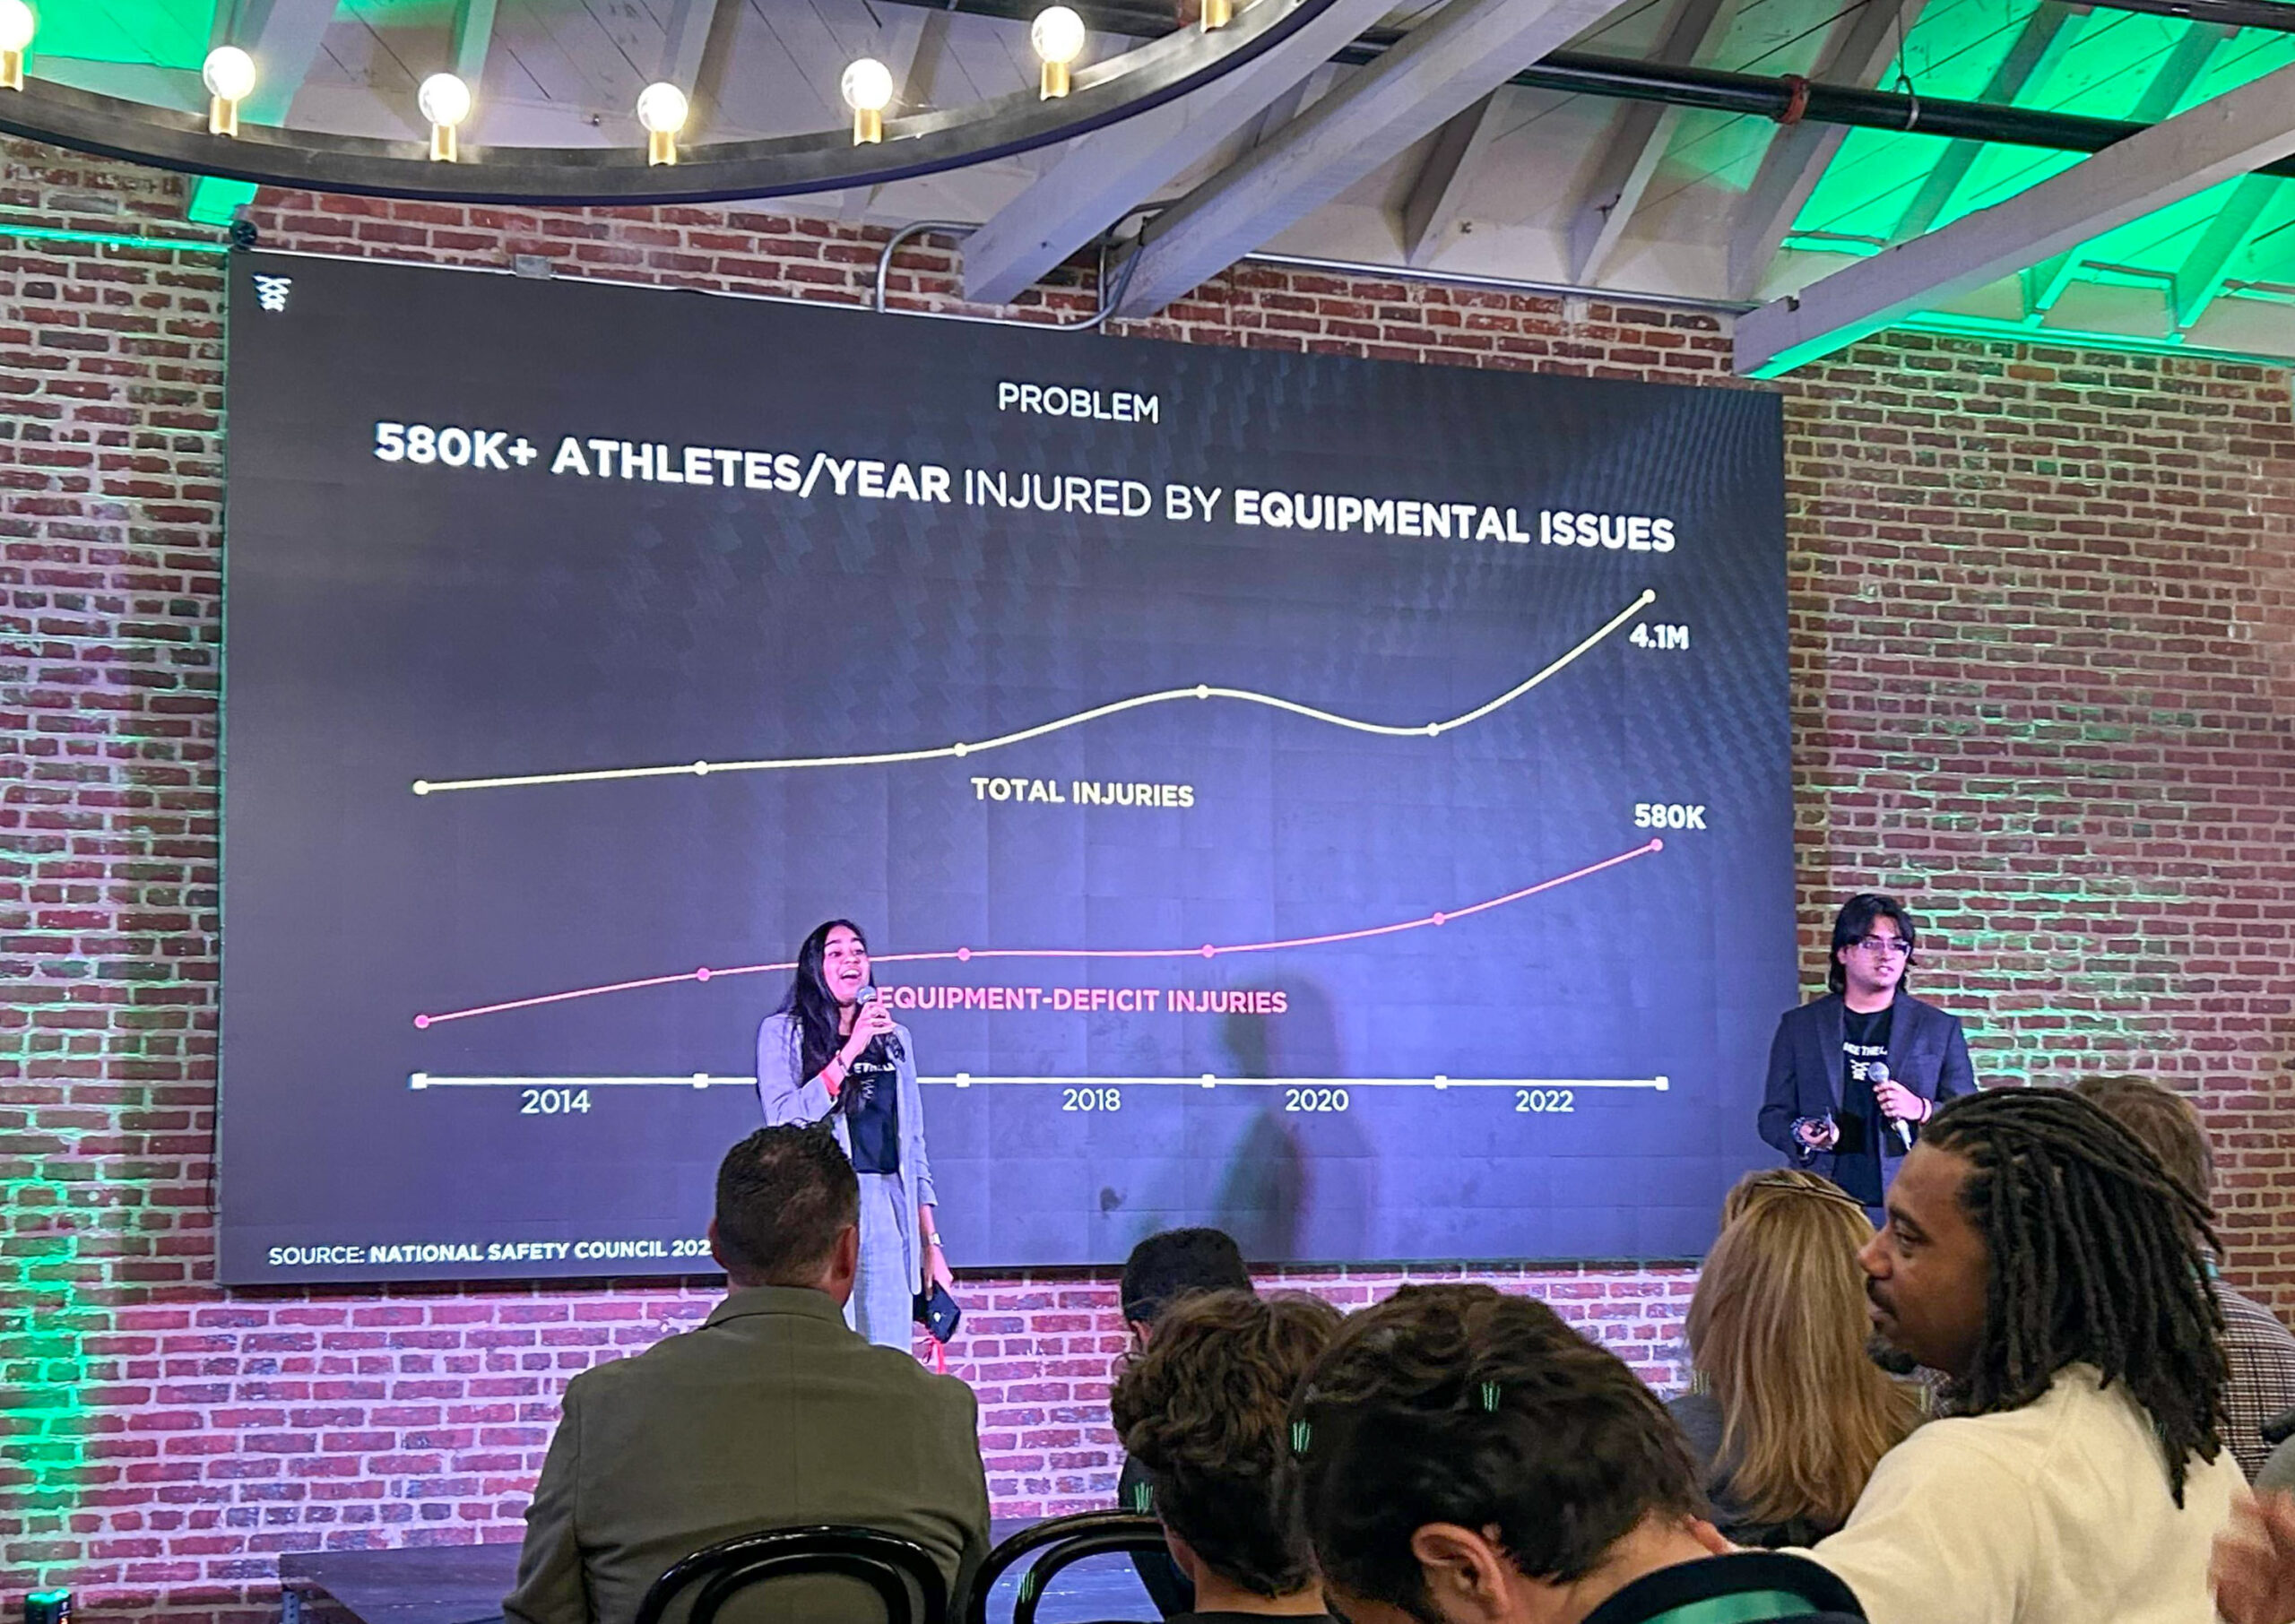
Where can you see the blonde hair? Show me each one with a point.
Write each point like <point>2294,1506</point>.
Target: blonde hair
<point>1777,1330</point>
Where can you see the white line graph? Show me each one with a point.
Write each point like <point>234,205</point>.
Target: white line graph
<point>963,749</point>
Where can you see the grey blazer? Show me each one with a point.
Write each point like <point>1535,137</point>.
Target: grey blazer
<point>787,1097</point>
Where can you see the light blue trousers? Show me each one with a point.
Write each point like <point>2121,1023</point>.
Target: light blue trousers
<point>883,1306</point>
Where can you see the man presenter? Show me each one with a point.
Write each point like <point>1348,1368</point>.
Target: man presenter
<point>1854,1074</point>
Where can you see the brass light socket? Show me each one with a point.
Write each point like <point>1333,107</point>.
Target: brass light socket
<point>1218,14</point>
<point>223,116</point>
<point>661,146</point>
<point>11,70</point>
<point>868,125</point>
<point>1055,80</point>
<point>442,143</point>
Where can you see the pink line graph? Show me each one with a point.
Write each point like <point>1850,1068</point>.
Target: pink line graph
<point>965,955</point>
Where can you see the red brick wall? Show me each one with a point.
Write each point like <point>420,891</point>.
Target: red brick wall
<point>2043,654</point>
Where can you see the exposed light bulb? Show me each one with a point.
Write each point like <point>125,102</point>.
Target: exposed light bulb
<point>445,100</point>
<point>868,89</point>
<point>16,25</point>
<point>1058,36</point>
<point>229,73</point>
<point>661,111</point>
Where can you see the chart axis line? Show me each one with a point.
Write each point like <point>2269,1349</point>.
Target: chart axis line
<point>422,1081</point>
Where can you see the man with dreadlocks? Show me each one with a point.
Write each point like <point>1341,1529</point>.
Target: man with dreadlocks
<point>2039,1256</point>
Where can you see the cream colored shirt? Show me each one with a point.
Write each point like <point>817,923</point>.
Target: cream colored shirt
<point>2057,1513</point>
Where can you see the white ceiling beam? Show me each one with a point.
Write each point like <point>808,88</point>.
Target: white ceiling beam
<point>473,34</point>
<point>1441,68</point>
<point>2162,97</point>
<point>2179,70</point>
<point>1633,147</point>
<point>2049,32</point>
<point>2228,136</point>
<point>283,37</point>
<point>1106,175</point>
<point>2200,279</point>
<point>1438,192</point>
<point>1799,153</point>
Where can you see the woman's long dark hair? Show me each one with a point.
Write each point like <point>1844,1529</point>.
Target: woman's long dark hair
<point>810,1001</point>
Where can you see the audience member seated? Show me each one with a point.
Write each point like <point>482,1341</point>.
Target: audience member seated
<point>771,1415</point>
<point>2258,1349</point>
<point>1160,1270</point>
<point>1465,1457</point>
<point>2039,1256</point>
<point>1789,1414</point>
<point>1205,1412</point>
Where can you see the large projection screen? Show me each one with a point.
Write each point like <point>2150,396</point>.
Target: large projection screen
<point>1343,802</point>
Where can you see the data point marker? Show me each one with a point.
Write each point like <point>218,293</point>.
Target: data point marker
<point>422,1023</point>
<point>701,974</point>
<point>422,786</point>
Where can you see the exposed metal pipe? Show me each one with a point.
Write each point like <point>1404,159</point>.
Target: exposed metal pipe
<point>1112,298</point>
<point>1109,300</point>
<point>1504,284</point>
<point>1787,98</point>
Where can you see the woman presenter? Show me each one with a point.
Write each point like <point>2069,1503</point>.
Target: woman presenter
<point>834,1050</point>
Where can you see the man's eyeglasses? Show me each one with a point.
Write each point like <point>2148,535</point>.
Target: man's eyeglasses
<point>1891,946</point>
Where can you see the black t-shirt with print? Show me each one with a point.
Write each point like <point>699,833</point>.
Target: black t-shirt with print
<point>1857,1159</point>
<point>871,1096</point>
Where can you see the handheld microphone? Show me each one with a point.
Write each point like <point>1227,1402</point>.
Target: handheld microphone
<point>891,1043</point>
<point>1876,1072</point>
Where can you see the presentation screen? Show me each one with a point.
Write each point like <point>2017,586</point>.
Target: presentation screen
<point>1344,802</point>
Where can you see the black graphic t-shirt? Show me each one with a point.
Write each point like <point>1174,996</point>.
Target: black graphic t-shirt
<point>1857,1159</point>
<point>870,1098</point>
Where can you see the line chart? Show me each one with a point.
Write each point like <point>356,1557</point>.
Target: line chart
<point>422,1081</point>
<point>1208,950</point>
<point>962,748</point>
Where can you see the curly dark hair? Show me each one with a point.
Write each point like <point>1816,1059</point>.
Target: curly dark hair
<point>2095,1258</point>
<point>1204,1409</point>
<point>1457,1404</point>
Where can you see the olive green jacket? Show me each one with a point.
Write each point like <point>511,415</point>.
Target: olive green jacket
<point>773,1414</point>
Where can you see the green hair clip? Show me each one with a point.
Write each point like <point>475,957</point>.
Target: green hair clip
<point>1300,1433</point>
<point>1489,1396</point>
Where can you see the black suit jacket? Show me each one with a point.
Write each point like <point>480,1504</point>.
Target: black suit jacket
<point>1927,1054</point>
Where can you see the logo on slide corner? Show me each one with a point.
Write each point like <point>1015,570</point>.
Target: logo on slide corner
<point>271,292</point>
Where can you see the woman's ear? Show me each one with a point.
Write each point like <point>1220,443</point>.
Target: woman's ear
<point>1467,1577</point>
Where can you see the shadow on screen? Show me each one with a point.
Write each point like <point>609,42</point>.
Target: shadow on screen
<point>1299,1184</point>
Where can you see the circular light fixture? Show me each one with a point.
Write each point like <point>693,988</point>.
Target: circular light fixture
<point>1058,36</point>
<point>867,88</point>
<point>661,111</point>
<point>931,141</point>
<point>229,73</point>
<point>445,100</point>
